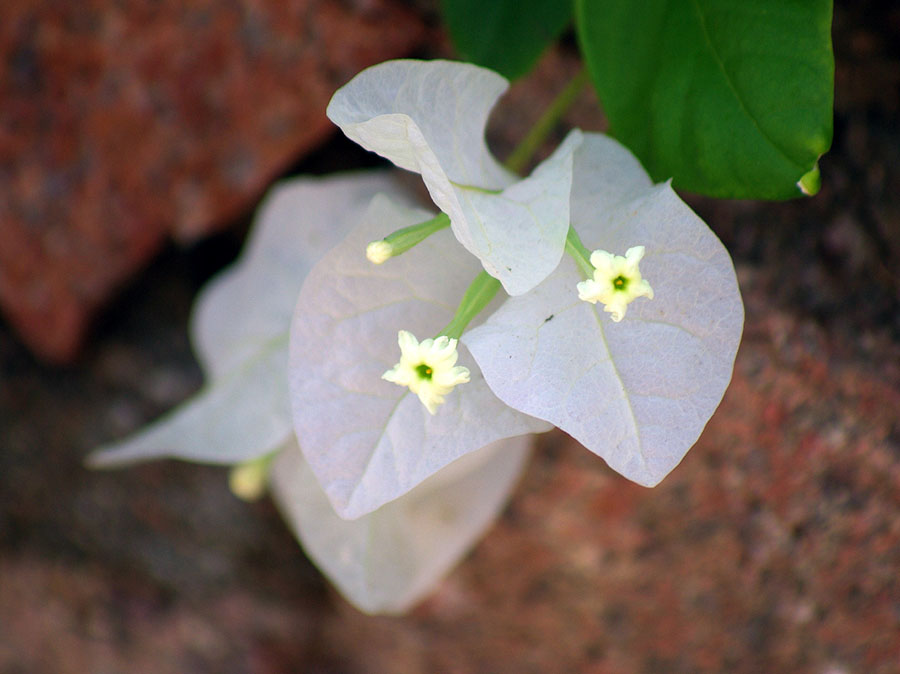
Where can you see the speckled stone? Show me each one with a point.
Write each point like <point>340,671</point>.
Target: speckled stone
<point>773,548</point>
<point>122,123</point>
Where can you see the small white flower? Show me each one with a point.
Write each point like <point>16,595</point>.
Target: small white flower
<point>428,368</point>
<point>379,252</point>
<point>617,281</point>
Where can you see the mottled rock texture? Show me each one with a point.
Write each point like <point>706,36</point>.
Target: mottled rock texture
<point>773,548</point>
<point>123,123</point>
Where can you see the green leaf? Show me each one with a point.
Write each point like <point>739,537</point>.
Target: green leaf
<point>505,35</point>
<point>729,98</point>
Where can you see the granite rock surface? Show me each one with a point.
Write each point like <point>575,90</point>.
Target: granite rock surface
<point>125,123</point>
<point>774,547</point>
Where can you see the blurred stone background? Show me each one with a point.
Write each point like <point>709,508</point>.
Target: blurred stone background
<point>135,141</point>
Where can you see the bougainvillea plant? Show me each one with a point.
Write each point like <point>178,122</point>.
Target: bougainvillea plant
<point>379,364</point>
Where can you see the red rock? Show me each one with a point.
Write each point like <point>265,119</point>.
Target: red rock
<point>124,123</point>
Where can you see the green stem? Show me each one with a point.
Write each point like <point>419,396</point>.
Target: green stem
<point>579,253</point>
<point>404,239</point>
<point>520,157</point>
<point>478,295</point>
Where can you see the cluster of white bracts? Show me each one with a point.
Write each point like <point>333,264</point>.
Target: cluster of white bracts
<point>295,338</point>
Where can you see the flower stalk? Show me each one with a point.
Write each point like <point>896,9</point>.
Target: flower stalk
<point>403,239</point>
<point>579,253</point>
<point>522,154</point>
<point>478,295</point>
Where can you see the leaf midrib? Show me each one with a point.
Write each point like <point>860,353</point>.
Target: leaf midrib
<point>720,63</point>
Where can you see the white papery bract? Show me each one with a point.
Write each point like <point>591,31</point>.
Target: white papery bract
<point>429,117</point>
<point>638,392</point>
<point>368,441</point>
<point>382,562</point>
<point>239,329</point>
<point>388,560</point>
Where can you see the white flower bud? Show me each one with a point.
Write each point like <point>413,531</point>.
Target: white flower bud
<point>378,252</point>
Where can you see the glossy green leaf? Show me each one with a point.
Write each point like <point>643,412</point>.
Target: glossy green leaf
<point>729,98</point>
<point>505,35</point>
